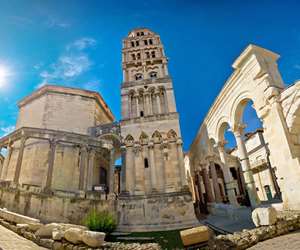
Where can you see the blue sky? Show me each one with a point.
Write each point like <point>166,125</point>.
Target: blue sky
<point>78,43</point>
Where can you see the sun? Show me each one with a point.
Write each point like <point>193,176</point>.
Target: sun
<point>4,73</point>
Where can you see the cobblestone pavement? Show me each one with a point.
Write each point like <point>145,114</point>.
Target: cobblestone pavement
<point>286,242</point>
<point>11,241</point>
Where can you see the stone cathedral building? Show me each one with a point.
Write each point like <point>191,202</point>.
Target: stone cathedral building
<point>60,160</point>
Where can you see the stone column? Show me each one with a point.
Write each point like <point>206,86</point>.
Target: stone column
<point>19,160</point>
<point>162,172</point>
<point>229,183</point>
<point>139,171</point>
<point>218,197</point>
<point>199,188</point>
<point>183,180</point>
<point>247,172</point>
<point>207,185</point>
<point>6,161</point>
<point>166,102</point>
<point>150,106</point>
<point>152,167</point>
<point>130,169</point>
<point>51,159</point>
<point>91,160</point>
<point>158,103</point>
<point>129,106</point>
<point>82,167</point>
<point>111,171</point>
<point>123,170</point>
<point>137,106</point>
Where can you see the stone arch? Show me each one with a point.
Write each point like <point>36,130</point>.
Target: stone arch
<point>144,138</point>
<point>157,137</point>
<point>237,108</point>
<point>221,128</point>
<point>172,135</point>
<point>129,140</point>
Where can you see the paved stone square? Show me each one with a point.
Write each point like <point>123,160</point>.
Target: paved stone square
<point>11,241</point>
<point>287,242</point>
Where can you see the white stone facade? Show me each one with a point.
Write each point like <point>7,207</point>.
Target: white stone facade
<point>255,78</point>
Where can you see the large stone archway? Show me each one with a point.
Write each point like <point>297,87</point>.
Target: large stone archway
<point>256,78</point>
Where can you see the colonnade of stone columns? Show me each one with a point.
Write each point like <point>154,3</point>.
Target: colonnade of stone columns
<point>86,164</point>
<point>150,102</point>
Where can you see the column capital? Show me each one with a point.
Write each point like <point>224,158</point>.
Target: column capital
<point>238,129</point>
<point>137,148</point>
<point>210,158</point>
<point>151,144</point>
<point>179,141</point>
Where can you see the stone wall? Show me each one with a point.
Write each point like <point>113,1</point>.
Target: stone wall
<point>65,109</point>
<point>156,212</point>
<point>58,207</point>
<point>242,240</point>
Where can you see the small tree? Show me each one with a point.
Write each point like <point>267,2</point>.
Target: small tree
<point>102,221</point>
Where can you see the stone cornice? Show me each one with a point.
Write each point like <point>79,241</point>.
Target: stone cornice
<point>49,134</point>
<point>68,91</point>
<point>146,81</point>
<point>151,118</point>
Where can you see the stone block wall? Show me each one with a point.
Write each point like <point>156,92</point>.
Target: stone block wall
<point>60,207</point>
<point>242,240</point>
<point>157,212</point>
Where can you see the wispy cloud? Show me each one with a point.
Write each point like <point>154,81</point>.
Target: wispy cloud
<point>7,130</point>
<point>82,43</point>
<point>72,63</point>
<point>68,66</point>
<point>54,22</point>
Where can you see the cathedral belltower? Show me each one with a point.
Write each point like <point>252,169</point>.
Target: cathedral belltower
<point>153,182</point>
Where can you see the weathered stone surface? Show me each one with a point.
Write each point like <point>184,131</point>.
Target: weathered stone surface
<point>93,239</point>
<point>34,226</point>
<point>57,234</point>
<point>264,216</point>
<point>16,218</point>
<point>194,235</point>
<point>73,235</point>
<point>57,246</point>
<point>46,230</point>
<point>46,243</point>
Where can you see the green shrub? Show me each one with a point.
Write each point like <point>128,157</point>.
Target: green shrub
<point>103,221</point>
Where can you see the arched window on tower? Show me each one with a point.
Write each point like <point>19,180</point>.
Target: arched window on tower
<point>145,42</point>
<point>142,33</point>
<point>147,55</point>
<point>153,74</point>
<point>133,56</point>
<point>138,56</point>
<point>153,54</point>
<point>137,43</point>
<point>132,44</point>
<point>138,76</point>
<point>150,41</point>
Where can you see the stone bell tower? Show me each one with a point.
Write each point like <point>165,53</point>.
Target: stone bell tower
<point>153,166</point>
